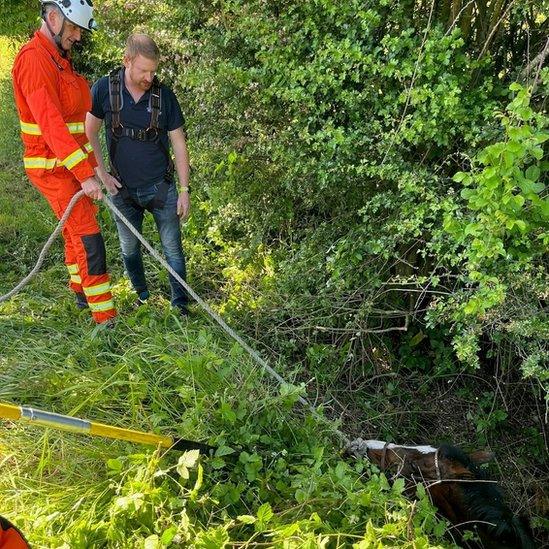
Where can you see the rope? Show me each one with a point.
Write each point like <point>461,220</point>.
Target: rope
<point>224,326</point>
<point>45,249</point>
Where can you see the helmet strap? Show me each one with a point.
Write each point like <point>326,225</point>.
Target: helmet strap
<point>56,37</point>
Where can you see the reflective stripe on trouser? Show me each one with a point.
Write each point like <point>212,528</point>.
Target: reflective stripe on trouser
<point>101,306</point>
<point>84,247</point>
<point>99,297</point>
<point>75,278</point>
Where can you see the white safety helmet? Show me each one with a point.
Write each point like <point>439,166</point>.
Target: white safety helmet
<point>78,12</point>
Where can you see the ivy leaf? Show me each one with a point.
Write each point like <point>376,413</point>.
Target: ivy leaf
<point>152,542</point>
<point>217,463</point>
<point>227,413</point>
<point>398,486</point>
<point>168,535</point>
<point>527,186</point>
<point>471,229</point>
<point>340,470</point>
<point>515,147</point>
<point>419,337</point>
<point>224,451</point>
<point>264,515</point>
<point>467,193</point>
<point>300,495</point>
<point>246,519</point>
<point>471,307</point>
<point>212,538</point>
<point>520,224</point>
<point>532,173</point>
<point>114,465</point>
<point>186,462</point>
<point>518,201</point>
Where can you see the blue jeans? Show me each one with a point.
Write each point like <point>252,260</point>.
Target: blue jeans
<point>168,225</point>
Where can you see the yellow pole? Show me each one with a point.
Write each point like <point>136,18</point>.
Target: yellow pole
<point>101,430</point>
<point>7,411</point>
<point>76,425</point>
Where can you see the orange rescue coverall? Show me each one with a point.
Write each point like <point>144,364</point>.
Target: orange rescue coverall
<point>52,100</point>
<point>10,537</point>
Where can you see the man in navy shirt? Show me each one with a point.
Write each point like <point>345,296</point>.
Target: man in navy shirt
<point>142,118</point>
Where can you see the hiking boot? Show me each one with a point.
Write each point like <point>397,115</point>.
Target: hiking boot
<point>104,327</point>
<point>141,299</point>
<point>81,301</point>
<point>109,324</point>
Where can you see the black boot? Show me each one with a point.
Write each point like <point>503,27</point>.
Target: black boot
<point>142,298</point>
<point>81,301</point>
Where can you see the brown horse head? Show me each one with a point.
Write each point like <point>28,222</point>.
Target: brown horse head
<point>456,486</point>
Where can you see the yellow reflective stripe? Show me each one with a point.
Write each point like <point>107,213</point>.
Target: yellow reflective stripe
<point>76,279</point>
<point>73,268</point>
<point>37,162</point>
<point>101,306</point>
<point>34,129</point>
<point>30,129</point>
<point>74,158</point>
<point>98,289</point>
<point>76,127</point>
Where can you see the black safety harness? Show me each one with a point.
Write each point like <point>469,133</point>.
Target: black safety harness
<point>150,134</point>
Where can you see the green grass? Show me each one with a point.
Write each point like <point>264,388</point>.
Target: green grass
<point>277,468</point>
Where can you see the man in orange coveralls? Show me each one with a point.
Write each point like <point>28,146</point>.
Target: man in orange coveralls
<point>52,101</point>
<point>10,537</point>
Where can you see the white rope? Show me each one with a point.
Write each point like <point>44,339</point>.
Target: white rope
<point>45,249</point>
<point>226,328</point>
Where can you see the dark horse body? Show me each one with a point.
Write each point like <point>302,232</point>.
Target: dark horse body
<point>457,487</point>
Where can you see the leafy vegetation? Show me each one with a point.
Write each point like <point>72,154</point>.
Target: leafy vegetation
<point>369,207</point>
<point>326,140</point>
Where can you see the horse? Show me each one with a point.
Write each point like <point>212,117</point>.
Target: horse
<point>457,487</point>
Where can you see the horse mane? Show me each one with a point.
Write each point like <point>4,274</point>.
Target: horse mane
<point>453,453</point>
<point>486,503</point>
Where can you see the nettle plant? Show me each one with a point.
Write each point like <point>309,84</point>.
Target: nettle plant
<point>502,232</point>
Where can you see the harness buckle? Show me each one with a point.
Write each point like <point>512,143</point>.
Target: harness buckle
<point>139,134</point>
<point>118,131</point>
<point>151,133</point>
